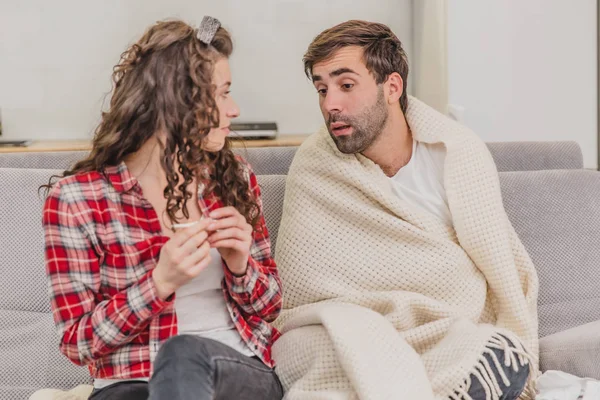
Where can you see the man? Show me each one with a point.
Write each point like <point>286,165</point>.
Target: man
<point>403,277</point>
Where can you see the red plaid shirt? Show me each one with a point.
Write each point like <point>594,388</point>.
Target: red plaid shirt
<point>103,240</point>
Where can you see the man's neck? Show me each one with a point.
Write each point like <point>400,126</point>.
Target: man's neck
<point>392,150</point>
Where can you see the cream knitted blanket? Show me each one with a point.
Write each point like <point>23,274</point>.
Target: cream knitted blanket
<point>383,300</point>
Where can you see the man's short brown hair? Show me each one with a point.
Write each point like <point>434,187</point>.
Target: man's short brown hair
<point>383,52</point>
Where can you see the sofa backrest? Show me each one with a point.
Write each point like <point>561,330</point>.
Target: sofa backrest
<point>536,156</point>
<point>29,355</point>
<point>557,216</point>
<point>509,156</point>
<point>264,160</point>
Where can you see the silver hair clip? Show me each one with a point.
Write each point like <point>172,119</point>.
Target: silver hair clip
<point>208,27</point>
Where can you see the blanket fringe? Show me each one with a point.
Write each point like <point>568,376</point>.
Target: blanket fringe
<point>515,357</point>
<point>524,357</point>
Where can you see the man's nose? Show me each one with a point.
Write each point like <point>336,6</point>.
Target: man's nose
<point>332,103</point>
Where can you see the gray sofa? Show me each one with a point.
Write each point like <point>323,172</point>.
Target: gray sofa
<point>553,203</point>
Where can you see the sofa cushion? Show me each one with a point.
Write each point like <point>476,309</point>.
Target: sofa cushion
<point>575,351</point>
<point>29,356</point>
<point>23,284</point>
<point>557,216</point>
<point>268,160</point>
<point>272,190</point>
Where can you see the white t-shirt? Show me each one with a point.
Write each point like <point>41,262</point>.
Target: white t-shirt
<point>201,309</point>
<point>421,181</point>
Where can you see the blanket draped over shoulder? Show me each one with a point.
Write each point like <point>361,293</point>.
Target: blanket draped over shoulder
<point>382,300</point>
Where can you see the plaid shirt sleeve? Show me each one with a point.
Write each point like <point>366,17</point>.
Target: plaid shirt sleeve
<point>88,325</point>
<point>258,292</point>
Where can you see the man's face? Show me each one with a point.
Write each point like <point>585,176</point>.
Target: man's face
<point>352,103</point>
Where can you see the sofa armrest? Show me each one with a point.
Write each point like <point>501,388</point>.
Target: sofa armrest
<point>575,351</point>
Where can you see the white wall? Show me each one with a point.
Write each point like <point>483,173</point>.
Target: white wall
<point>525,69</point>
<point>56,56</point>
<point>430,53</point>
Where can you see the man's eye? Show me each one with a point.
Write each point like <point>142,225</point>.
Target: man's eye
<point>348,85</point>
<point>322,92</point>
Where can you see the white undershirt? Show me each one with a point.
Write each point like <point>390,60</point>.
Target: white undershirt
<point>421,181</point>
<point>201,310</point>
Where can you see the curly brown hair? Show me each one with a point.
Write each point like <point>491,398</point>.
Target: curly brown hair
<point>164,83</point>
<point>383,51</point>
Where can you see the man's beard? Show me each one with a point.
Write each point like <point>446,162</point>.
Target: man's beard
<point>366,127</point>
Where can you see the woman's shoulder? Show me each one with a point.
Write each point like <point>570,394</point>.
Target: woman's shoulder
<point>245,167</point>
<point>79,186</point>
<point>242,161</point>
<point>248,173</point>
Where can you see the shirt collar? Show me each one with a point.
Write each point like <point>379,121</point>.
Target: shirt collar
<point>120,177</point>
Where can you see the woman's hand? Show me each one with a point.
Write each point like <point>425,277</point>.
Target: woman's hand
<point>182,258</point>
<point>232,236</point>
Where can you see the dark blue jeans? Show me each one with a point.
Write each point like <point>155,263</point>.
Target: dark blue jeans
<point>191,367</point>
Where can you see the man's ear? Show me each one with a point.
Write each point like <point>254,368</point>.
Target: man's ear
<point>393,87</point>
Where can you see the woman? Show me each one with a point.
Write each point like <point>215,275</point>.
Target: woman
<point>157,252</point>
